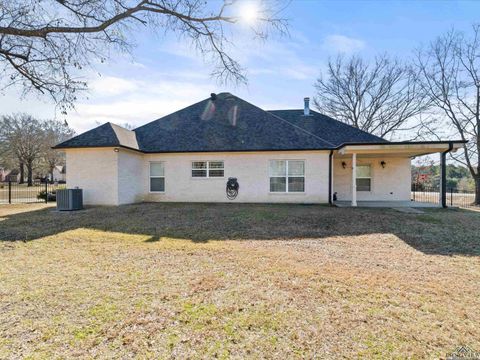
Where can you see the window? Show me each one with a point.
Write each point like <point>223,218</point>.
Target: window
<point>157,177</point>
<point>287,176</point>
<point>364,178</point>
<point>207,169</point>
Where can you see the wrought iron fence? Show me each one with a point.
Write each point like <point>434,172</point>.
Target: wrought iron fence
<point>14,193</point>
<point>454,196</point>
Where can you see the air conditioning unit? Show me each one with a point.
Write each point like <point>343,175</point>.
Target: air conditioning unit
<point>69,199</point>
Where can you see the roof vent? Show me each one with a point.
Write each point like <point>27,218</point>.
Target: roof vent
<point>213,96</point>
<point>306,108</point>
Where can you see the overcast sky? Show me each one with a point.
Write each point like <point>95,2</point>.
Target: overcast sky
<point>164,75</point>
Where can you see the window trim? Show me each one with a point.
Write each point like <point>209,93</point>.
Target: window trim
<point>364,177</point>
<point>286,178</point>
<point>156,177</point>
<point>207,170</point>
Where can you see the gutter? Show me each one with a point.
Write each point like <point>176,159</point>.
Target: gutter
<point>59,147</point>
<point>330,176</point>
<point>449,142</point>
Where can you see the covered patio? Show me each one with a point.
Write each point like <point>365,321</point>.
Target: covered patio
<point>379,175</point>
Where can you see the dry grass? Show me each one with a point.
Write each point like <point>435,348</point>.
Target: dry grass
<point>237,281</point>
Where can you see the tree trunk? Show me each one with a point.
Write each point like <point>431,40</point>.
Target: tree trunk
<point>29,173</point>
<point>22,173</point>
<point>477,190</point>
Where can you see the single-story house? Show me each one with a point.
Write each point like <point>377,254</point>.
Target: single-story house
<point>59,173</point>
<point>278,156</point>
<point>11,175</point>
<point>3,173</point>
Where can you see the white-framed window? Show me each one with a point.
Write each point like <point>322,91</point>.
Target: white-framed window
<point>208,169</point>
<point>364,178</point>
<point>157,176</point>
<point>287,176</point>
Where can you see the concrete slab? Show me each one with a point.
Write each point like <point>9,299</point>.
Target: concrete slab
<point>388,204</point>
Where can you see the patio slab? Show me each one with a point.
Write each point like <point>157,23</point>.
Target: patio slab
<point>388,204</point>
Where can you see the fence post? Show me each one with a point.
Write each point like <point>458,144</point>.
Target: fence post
<point>46,191</point>
<point>414,191</point>
<point>451,196</point>
<point>9,191</point>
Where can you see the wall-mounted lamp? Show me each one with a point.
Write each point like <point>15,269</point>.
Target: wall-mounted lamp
<point>383,163</point>
<point>116,149</point>
<point>344,164</point>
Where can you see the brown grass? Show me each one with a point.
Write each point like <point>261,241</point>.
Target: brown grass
<point>237,281</point>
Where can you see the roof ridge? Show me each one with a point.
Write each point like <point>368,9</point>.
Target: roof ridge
<point>164,116</point>
<point>341,122</point>
<point>298,127</point>
<point>284,120</point>
<point>335,120</point>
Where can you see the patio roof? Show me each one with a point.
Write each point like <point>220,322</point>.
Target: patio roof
<point>407,149</point>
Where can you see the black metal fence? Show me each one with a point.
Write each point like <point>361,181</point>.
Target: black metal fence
<point>13,193</point>
<point>455,197</point>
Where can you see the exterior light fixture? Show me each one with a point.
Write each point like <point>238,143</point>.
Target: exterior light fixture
<point>344,164</point>
<point>383,163</point>
<point>116,149</point>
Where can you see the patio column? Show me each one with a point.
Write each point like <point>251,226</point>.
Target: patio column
<point>354,179</point>
<point>330,178</point>
<point>443,176</point>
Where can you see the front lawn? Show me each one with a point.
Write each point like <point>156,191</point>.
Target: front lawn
<point>237,281</point>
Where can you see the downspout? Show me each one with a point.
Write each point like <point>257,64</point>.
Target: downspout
<point>330,202</point>
<point>444,174</point>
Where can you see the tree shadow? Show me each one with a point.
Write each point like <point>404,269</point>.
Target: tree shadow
<point>437,231</point>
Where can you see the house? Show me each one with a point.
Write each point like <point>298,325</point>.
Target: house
<point>3,174</point>
<point>279,156</point>
<point>11,175</point>
<point>59,173</point>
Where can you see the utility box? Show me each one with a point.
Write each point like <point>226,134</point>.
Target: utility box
<point>69,199</point>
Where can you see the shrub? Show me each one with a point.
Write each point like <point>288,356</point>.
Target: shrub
<point>51,196</point>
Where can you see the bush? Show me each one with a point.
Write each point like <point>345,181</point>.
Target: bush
<point>51,196</point>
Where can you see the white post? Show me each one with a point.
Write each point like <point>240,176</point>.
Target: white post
<point>333,187</point>
<point>354,179</point>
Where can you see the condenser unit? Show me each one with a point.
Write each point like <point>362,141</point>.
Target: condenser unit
<point>69,199</point>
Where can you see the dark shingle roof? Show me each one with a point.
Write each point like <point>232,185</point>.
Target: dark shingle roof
<point>226,123</point>
<point>335,131</point>
<point>105,135</point>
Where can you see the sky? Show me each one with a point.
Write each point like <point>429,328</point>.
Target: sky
<point>164,74</point>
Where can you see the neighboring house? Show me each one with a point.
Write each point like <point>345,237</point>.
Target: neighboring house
<point>12,175</point>
<point>297,156</point>
<point>60,173</point>
<point>3,174</point>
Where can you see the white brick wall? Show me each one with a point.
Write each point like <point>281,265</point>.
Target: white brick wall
<point>95,171</point>
<point>389,183</point>
<point>112,178</point>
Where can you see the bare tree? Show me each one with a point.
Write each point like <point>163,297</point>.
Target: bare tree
<point>7,159</point>
<point>55,132</point>
<point>450,69</point>
<point>24,138</point>
<point>44,45</point>
<point>380,97</point>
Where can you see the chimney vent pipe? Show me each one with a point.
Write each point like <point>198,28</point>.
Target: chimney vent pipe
<point>306,108</point>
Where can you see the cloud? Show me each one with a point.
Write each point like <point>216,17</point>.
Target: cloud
<point>343,44</point>
<point>136,102</point>
<point>111,85</point>
<point>285,59</point>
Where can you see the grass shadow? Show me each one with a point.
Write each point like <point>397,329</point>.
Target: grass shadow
<point>437,231</point>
